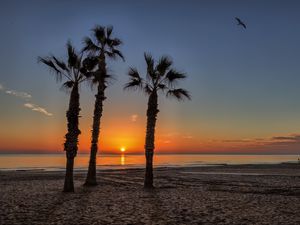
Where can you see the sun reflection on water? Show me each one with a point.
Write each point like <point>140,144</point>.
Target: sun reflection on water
<point>122,159</point>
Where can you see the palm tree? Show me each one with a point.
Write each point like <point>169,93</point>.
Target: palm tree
<point>100,46</point>
<point>159,78</point>
<point>74,72</point>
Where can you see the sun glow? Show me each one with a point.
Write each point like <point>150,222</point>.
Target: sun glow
<point>122,149</point>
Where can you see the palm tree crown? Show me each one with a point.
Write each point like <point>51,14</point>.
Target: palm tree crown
<point>75,71</point>
<point>100,46</point>
<point>158,78</point>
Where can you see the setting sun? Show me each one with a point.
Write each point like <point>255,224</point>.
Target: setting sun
<point>122,149</point>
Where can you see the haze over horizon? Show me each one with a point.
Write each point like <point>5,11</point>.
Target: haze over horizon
<point>244,82</point>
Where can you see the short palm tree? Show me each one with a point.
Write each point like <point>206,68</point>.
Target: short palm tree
<point>159,78</point>
<point>74,72</point>
<point>101,46</point>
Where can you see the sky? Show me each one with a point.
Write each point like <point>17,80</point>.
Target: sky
<point>244,82</point>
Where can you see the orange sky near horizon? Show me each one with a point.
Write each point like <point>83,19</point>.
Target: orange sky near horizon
<point>116,134</point>
<point>175,133</point>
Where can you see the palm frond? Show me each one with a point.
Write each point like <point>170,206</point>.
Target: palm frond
<point>118,53</point>
<point>179,94</point>
<point>73,59</point>
<point>60,64</point>
<point>109,77</point>
<point>89,45</point>
<point>149,60</point>
<point>150,65</point>
<point>174,75</point>
<point>48,62</point>
<point>114,53</point>
<point>99,33</point>
<point>134,73</point>
<point>163,65</point>
<point>116,42</point>
<point>133,84</point>
<point>112,43</point>
<point>68,84</point>
<point>110,54</point>
<point>135,80</point>
<point>109,30</point>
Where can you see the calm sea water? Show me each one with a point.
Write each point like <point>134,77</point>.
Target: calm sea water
<point>57,161</point>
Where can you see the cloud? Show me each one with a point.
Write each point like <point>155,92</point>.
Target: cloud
<point>37,108</point>
<point>276,143</point>
<point>25,96</point>
<point>18,94</point>
<point>134,117</point>
<point>292,138</point>
<point>239,140</point>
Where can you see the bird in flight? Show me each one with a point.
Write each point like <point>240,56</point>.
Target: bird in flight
<point>240,22</point>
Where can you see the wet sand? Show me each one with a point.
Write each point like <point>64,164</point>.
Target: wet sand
<point>244,194</point>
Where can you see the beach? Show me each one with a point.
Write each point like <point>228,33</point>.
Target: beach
<point>223,194</point>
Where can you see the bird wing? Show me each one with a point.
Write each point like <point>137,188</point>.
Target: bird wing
<point>244,25</point>
<point>238,19</point>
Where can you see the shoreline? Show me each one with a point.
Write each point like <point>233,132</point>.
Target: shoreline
<point>128,167</point>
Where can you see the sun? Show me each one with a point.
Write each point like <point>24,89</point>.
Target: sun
<point>122,149</point>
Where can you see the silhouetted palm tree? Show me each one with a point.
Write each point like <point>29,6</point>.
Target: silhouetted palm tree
<point>72,73</point>
<point>101,46</point>
<point>159,78</point>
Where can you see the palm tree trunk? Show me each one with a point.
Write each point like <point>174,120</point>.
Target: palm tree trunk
<point>91,178</point>
<point>71,143</point>
<point>150,136</point>
<point>69,184</point>
<point>100,97</point>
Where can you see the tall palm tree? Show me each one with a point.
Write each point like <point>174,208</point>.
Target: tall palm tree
<point>72,73</point>
<point>101,46</point>
<point>159,78</point>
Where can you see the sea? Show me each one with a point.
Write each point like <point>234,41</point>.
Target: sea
<point>56,162</point>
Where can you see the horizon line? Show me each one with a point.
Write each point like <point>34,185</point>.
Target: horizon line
<point>158,153</point>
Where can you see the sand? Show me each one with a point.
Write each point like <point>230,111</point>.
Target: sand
<point>249,194</point>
